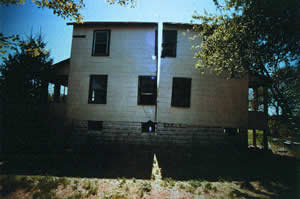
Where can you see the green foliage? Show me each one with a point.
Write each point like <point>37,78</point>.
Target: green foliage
<point>133,180</point>
<point>87,185</point>
<point>41,187</point>
<point>116,195</point>
<point>24,82</point>
<point>259,38</point>
<point>92,191</point>
<point>144,188</point>
<point>169,182</point>
<point>195,183</point>
<point>123,181</point>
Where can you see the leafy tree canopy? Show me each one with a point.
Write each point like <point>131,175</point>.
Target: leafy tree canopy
<point>255,37</point>
<point>24,81</point>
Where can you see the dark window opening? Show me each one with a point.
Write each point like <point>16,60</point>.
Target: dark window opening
<point>256,99</point>
<point>101,43</point>
<point>231,131</point>
<point>148,126</point>
<point>95,125</point>
<point>79,36</point>
<point>169,43</point>
<point>181,92</point>
<point>98,89</point>
<point>58,90</point>
<point>147,90</point>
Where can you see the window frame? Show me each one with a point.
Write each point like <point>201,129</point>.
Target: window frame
<point>90,90</point>
<point>107,53</point>
<point>154,93</point>
<point>187,102</point>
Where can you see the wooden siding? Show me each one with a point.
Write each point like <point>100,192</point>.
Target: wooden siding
<point>131,54</point>
<point>215,101</point>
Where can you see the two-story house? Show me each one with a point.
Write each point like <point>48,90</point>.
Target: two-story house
<point>135,82</point>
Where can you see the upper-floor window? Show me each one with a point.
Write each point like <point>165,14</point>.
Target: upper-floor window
<point>98,89</point>
<point>147,90</point>
<point>181,92</point>
<point>101,43</point>
<point>169,43</point>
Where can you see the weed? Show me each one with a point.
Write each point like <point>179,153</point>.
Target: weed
<point>195,183</point>
<point>170,182</point>
<point>214,188</point>
<point>189,189</point>
<point>127,189</point>
<point>116,195</point>
<point>208,186</point>
<point>76,182</point>
<point>64,181</point>
<point>220,179</point>
<point>78,195</point>
<point>93,191</point>
<point>74,187</point>
<point>231,195</point>
<point>88,186</point>
<point>133,180</point>
<point>181,186</point>
<point>145,187</point>
<point>42,195</point>
<point>153,176</point>
<point>247,185</point>
<point>122,182</point>
<point>157,172</point>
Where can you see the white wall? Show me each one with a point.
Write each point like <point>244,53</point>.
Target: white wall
<point>131,55</point>
<point>214,101</point>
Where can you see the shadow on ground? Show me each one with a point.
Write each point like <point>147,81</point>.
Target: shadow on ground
<point>278,175</point>
<point>103,162</point>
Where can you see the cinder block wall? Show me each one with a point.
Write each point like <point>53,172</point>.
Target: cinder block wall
<point>166,134</point>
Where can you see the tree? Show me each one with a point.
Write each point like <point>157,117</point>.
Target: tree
<point>24,81</point>
<point>259,38</point>
<point>64,8</point>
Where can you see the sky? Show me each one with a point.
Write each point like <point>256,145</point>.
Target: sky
<point>27,18</point>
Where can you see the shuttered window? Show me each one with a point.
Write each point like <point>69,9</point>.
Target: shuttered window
<point>98,89</point>
<point>147,90</point>
<point>101,43</point>
<point>181,92</point>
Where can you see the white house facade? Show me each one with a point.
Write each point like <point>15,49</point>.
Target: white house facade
<point>136,82</point>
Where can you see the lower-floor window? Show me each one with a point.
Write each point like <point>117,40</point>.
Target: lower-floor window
<point>58,90</point>
<point>98,89</point>
<point>181,92</point>
<point>147,90</point>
